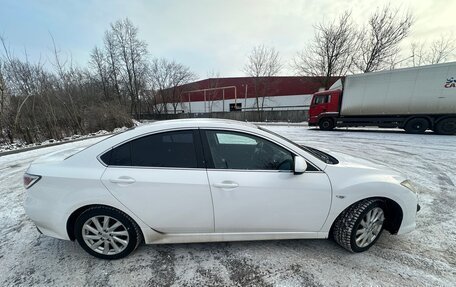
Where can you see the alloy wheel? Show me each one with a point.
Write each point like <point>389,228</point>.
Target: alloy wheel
<point>105,235</point>
<point>370,227</point>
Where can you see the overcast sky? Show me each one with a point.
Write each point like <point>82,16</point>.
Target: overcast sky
<point>205,35</point>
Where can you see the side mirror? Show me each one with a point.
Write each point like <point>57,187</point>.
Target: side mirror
<point>300,165</point>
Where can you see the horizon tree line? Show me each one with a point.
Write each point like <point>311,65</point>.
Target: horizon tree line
<point>122,80</point>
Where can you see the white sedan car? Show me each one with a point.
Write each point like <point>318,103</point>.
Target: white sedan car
<point>212,180</point>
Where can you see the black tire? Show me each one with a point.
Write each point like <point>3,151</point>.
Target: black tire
<point>349,222</point>
<point>446,127</point>
<point>134,237</point>
<point>326,124</point>
<point>416,126</point>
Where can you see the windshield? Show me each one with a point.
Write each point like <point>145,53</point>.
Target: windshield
<point>324,157</point>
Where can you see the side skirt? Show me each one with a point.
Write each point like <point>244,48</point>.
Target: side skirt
<point>242,236</point>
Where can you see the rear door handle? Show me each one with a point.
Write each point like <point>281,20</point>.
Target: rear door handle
<point>123,180</point>
<point>226,184</point>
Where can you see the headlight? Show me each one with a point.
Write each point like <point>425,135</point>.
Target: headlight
<point>408,184</point>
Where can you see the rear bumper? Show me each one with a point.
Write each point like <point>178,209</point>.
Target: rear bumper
<point>46,220</point>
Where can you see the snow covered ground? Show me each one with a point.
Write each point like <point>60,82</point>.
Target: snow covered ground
<point>426,256</point>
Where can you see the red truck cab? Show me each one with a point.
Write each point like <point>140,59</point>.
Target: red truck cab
<point>324,108</point>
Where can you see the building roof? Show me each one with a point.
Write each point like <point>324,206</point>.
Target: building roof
<point>250,87</point>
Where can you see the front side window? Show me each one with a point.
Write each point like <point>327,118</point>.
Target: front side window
<point>233,150</point>
<point>170,149</point>
<point>322,99</point>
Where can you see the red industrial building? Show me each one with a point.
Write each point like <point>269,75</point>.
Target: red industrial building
<point>244,93</point>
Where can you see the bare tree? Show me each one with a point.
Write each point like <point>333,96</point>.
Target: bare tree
<point>442,50</point>
<point>160,78</point>
<point>168,77</point>
<point>438,51</point>
<point>3,101</point>
<point>213,94</point>
<point>418,54</point>
<point>37,104</point>
<point>113,64</point>
<point>378,42</point>
<point>180,75</point>
<point>263,63</point>
<point>67,75</point>
<point>21,77</point>
<point>99,62</point>
<point>127,53</point>
<point>2,93</point>
<point>330,53</point>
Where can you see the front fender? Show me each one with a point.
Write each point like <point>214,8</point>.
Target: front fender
<point>348,192</point>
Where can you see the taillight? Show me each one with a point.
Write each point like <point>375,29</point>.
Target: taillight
<point>30,179</point>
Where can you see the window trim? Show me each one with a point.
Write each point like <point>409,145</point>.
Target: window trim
<point>200,159</point>
<point>210,163</point>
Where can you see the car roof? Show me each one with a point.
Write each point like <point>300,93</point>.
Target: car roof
<point>196,123</point>
<point>95,150</point>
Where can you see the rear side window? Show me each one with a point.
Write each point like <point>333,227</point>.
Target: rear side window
<point>171,149</point>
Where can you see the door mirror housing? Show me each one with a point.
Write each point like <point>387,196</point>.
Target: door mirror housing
<point>300,165</point>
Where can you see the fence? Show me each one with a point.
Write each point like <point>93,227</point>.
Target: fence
<point>242,115</point>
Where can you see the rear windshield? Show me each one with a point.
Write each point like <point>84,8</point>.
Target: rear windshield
<point>107,137</point>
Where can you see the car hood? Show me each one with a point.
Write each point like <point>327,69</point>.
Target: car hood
<point>355,166</point>
<point>347,160</point>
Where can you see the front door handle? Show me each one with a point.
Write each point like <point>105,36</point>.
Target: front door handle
<point>226,184</point>
<point>123,180</point>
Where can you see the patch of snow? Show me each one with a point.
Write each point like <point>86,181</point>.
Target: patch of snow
<point>426,256</point>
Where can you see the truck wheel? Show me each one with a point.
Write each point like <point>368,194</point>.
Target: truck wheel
<point>360,225</point>
<point>446,127</point>
<point>416,126</point>
<point>326,124</point>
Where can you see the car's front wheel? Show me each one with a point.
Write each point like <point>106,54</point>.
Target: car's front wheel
<point>107,233</point>
<point>360,225</point>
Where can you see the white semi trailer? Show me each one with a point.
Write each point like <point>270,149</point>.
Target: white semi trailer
<point>415,99</point>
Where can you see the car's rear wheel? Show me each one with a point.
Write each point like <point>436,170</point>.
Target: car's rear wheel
<point>107,233</point>
<point>360,226</point>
